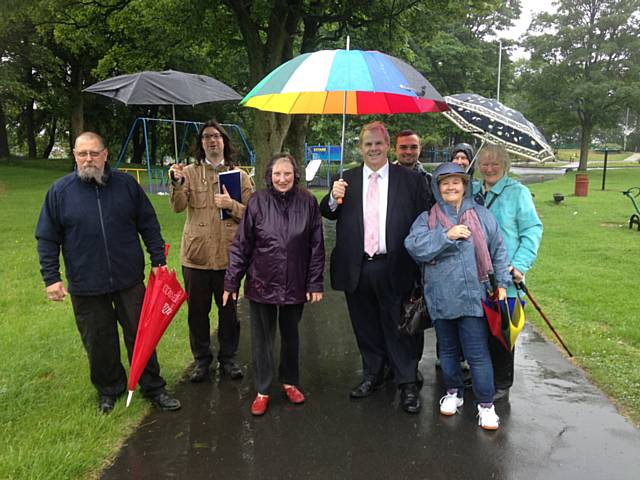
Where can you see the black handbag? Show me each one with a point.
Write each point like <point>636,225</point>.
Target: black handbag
<point>414,317</point>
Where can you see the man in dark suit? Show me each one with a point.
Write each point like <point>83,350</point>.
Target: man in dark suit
<point>375,205</point>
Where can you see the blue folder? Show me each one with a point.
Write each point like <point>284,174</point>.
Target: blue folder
<point>232,181</point>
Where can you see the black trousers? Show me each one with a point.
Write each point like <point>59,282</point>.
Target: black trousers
<point>374,308</point>
<point>264,320</point>
<point>503,364</point>
<point>201,286</point>
<point>97,319</point>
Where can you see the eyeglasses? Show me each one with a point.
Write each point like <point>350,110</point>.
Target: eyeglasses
<point>215,136</point>
<point>408,147</point>
<point>88,153</point>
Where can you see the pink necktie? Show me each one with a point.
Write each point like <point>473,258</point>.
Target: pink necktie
<point>371,217</point>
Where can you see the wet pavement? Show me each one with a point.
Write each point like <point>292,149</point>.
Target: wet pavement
<point>556,425</point>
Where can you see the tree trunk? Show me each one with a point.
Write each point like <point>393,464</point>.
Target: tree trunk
<point>52,138</point>
<point>30,127</point>
<point>268,138</point>
<point>295,141</point>
<point>4,138</point>
<point>585,141</point>
<point>77,103</point>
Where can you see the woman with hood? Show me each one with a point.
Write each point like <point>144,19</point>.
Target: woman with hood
<point>280,247</point>
<point>462,154</point>
<point>521,228</point>
<point>458,245</point>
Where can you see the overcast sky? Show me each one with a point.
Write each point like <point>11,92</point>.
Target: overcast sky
<point>529,7</point>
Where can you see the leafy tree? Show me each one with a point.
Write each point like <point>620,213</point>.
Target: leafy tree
<point>584,66</point>
<point>274,31</point>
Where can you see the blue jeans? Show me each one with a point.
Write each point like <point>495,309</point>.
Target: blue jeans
<point>469,335</point>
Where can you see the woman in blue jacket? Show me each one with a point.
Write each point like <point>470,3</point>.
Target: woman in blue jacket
<point>458,244</point>
<point>512,205</point>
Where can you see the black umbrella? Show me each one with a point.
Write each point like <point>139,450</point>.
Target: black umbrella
<point>165,88</point>
<point>494,123</point>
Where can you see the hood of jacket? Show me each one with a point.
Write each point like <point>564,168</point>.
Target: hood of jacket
<point>468,151</point>
<point>450,168</point>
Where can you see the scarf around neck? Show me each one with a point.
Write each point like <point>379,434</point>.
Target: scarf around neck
<point>469,218</point>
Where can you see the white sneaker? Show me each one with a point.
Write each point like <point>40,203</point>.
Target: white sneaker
<point>487,418</point>
<point>449,404</point>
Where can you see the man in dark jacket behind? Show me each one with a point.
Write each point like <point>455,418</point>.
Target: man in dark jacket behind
<point>95,215</point>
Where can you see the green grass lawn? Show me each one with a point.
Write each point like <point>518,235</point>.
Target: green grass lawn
<point>50,428</point>
<point>573,155</point>
<point>586,279</point>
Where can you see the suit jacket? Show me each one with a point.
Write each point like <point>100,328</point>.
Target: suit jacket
<point>407,198</point>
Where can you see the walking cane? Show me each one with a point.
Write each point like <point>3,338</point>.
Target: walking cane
<point>524,288</point>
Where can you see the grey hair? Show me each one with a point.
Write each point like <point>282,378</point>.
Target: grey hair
<point>498,152</point>
<point>89,136</point>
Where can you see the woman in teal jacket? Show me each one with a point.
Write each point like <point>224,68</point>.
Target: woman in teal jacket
<point>512,205</point>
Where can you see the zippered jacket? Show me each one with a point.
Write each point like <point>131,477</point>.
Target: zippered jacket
<point>97,228</point>
<point>512,205</point>
<point>450,276</point>
<point>279,246</point>
<point>206,237</point>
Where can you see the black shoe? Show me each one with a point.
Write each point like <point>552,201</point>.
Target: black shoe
<point>231,369</point>
<point>165,402</point>
<point>366,388</point>
<point>409,398</point>
<point>106,404</point>
<point>199,374</point>
<point>502,394</point>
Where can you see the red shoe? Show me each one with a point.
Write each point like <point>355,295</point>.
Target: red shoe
<point>259,405</point>
<point>293,394</point>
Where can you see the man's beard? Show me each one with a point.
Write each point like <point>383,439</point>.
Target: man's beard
<point>91,172</point>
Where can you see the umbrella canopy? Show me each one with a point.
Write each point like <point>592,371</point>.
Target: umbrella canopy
<point>497,314</point>
<point>517,322</point>
<point>164,88</point>
<point>495,123</point>
<point>162,300</point>
<point>316,83</point>
<point>505,320</point>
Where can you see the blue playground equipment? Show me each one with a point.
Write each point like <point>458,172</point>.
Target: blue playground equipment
<point>328,155</point>
<point>157,176</point>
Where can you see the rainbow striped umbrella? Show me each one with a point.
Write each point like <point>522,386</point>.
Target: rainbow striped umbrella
<point>316,83</point>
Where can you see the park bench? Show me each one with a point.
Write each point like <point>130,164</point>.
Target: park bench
<point>633,194</point>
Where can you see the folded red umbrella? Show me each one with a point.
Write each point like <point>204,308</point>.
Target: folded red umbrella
<point>162,300</point>
<point>494,310</point>
<point>497,313</point>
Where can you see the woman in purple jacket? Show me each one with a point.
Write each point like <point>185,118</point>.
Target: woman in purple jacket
<point>279,246</point>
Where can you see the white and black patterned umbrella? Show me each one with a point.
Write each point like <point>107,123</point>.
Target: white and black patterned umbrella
<point>494,123</point>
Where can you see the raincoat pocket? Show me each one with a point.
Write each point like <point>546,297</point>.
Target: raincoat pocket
<point>198,197</point>
<point>195,248</point>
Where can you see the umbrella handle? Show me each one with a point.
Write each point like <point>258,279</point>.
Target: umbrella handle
<point>129,397</point>
<point>339,200</point>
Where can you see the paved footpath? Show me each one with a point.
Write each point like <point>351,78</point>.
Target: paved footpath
<point>556,426</point>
